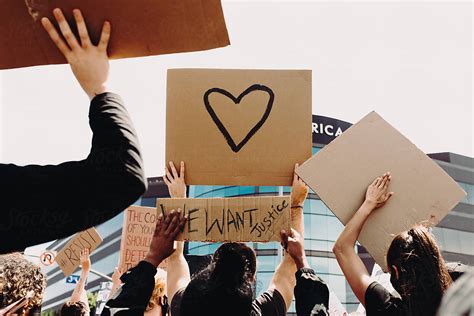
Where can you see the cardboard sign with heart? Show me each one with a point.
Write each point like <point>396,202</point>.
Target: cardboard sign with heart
<point>238,127</point>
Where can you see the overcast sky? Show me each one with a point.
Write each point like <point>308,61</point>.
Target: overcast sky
<point>411,62</point>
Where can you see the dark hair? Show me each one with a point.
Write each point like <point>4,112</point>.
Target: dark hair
<point>74,309</point>
<point>422,273</point>
<point>225,286</point>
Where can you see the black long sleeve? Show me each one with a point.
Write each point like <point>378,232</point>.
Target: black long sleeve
<point>43,203</point>
<point>311,294</point>
<point>133,297</point>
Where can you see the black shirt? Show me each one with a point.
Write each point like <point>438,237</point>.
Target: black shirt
<point>379,301</point>
<point>269,303</point>
<point>43,203</point>
<point>311,294</point>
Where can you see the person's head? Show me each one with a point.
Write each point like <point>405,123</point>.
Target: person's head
<point>225,286</point>
<point>418,271</point>
<point>158,297</point>
<point>74,309</point>
<point>18,278</point>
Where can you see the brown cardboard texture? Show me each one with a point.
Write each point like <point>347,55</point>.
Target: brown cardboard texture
<point>139,28</point>
<point>258,219</point>
<point>69,258</point>
<point>340,173</point>
<point>137,233</point>
<point>238,127</point>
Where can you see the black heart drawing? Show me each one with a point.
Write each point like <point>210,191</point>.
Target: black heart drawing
<point>256,87</point>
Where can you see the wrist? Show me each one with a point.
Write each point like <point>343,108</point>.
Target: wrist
<point>301,262</point>
<point>153,259</point>
<point>369,205</point>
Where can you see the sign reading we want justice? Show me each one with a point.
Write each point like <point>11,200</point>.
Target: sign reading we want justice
<point>257,219</point>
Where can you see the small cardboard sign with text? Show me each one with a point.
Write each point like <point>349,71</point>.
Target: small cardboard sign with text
<point>137,233</point>
<point>69,258</point>
<point>340,173</point>
<point>238,127</point>
<point>258,219</point>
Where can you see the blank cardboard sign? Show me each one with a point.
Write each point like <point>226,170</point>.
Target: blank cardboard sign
<point>137,233</point>
<point>69,258</point>
<point>139,28</point>
<point>258,219</point>
<point>340,173</point>
<point>238,127</point>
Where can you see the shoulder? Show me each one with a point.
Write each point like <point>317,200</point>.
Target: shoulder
<point>270,302</point>
<point>378,299</point>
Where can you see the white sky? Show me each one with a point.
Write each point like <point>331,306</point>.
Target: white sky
<point>411,62</point>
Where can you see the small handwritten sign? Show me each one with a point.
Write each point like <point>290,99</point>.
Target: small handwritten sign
<point>137,233</point>
<point>257,219</point>
<point>69,257</point>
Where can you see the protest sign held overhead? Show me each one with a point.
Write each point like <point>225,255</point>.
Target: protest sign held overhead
<point>258,219</point>
<point>139,28</point>
<point>238,127</point>
<point>340,173</point>
<point>69,257</point>
<point>137,233</point>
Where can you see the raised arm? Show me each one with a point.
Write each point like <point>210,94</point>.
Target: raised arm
<point>138,282</point>
<point>354,269</point>
<point>311,293</point>
<point>102,185</point>
<point>79,294</point>
<point>178,275</point>
<point>284,277</point>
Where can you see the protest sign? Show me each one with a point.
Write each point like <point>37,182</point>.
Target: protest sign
<point>238,127</point>
<point>340,173</point>
<point>139,28</point>
<point>258,219</point>
<point>69,258</point>
<point>137,233</point>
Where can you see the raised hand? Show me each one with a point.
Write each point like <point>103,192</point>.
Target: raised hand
<point>174,181</point>
<point>377,192</point>
<point>89,63</point>
<point>85,260</point>
<point>166,230</point>
<point>299,191</point>
<point>293,243</point>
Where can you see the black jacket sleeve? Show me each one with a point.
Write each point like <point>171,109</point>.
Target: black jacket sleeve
<point>311,294</point>
<point>133,297</point>
<point>42,203</point>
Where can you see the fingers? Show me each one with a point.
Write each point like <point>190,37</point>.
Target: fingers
<point>173,169</point>
<point>165,178</point>
<point>105,36</point>
<point>54,35</point>
<point>168,175</point>
<point>295,176</point>
<point>174,223</point>
<point>82,28</point>
<point>180,220</point>
<point>181,171</point>
<point>65,29</point>
<point>284,239</point>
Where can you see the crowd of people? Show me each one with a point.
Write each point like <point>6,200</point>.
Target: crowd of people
<point>112,177</point>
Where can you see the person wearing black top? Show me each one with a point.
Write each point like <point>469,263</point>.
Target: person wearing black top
<point>417,269</point>
<point>226,285</point>
<point>311,292</point>
<point>43,203</point>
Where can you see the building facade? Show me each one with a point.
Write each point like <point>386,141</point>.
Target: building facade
<point>455,234</point>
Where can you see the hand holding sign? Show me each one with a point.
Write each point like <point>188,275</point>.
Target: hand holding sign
<point>176,183</point>
<point>377,192</point>
<point>299,191</point>
<point>85,260</point>
<point>162,245</point>
<point>89,63</point>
